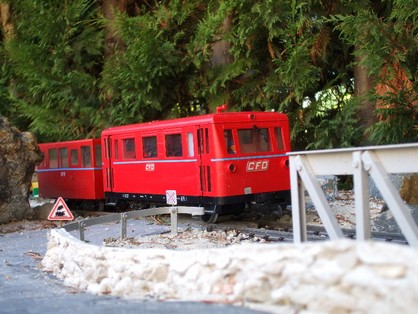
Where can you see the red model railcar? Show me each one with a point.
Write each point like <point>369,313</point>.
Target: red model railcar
<point>221,161</point>
<point>72,170</point>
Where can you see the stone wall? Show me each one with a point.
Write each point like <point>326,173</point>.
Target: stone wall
<point>19,154</point>
<point>327,277</point>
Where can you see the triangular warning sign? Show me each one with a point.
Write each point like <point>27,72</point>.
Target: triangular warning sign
<point>60,211</point>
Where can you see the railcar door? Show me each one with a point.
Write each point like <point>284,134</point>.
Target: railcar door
<point>107,164</point>
<point>205,151</point>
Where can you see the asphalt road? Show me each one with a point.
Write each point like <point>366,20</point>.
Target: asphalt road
<point>24,288</point>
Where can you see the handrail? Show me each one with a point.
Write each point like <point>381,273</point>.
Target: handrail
<point>123,218</point>
<point>362,162</point>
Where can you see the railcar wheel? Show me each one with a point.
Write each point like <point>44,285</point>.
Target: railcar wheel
<point>211,215</point>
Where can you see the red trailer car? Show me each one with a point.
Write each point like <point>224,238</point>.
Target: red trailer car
<point>72,170</point>
<point>221,161</point>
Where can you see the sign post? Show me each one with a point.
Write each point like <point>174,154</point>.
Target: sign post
<point>171,198</point>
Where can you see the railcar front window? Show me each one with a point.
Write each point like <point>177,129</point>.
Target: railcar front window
<point>255,140</point>
<point>53,158</point>
<point>279,138</point>
<point>149,146</point>
<point>229,140</point>
<point>86,156</point>
<point>129,148</point>
<point>173,147</point>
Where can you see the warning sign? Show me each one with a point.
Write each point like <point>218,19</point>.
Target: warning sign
<point>171,197</point>
<point>60,211</point>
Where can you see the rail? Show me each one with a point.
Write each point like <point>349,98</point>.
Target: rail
<point>376,162</point>
<point>123,218</point>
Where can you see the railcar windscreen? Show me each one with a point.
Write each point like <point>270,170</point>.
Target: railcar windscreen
<point>279,138</point>
<point>229,140</point>
<point>255,140</point>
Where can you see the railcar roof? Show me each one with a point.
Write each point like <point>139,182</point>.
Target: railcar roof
<point>225,117</point>
<point>74,142</point>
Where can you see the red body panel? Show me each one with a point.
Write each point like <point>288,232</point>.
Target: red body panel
<point>74,171</point>
<point>205,169</point>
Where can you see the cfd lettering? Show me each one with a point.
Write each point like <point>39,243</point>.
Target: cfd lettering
<point>257,165</point>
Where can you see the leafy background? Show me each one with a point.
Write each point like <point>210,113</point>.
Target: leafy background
<point>344,71</point>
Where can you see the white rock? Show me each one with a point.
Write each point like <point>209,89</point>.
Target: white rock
<point>328,277</point>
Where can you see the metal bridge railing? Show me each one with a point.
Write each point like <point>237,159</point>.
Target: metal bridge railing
<point>376,162</point>
<point>123,218</point>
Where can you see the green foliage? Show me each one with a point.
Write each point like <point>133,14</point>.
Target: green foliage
<point>59,81</point>
<point>385,36</point>
<point>150,75</point>
<point>398,117</point>
<point>337,128</point>
<point>54,61</point>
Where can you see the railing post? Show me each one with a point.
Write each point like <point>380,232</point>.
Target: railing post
<point>318,198</point>
<point>81,230</point>
<point>361,198</point>
<point>298,204</point>
<point>391,196</point>
<point>174,222</point>
<point>123,224</point>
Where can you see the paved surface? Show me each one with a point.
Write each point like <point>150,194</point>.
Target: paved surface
<point>24,288</point>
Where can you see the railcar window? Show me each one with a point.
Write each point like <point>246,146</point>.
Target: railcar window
<point>53,158</point>
<point>190,144</point>
<point>116,149</point>
<point>107,147</point>
<point>200,141</point>
<point>173,147</point>
<point>229,140</point>
<point>98,155</point>
<point>86,156</point>
<point>255,140</point>
<point>63,155</point>
<point>207,140</point>
<point>74,157</point>
<point>203,140</point>
<point>129,148</point>
<point>149,146</point>
<point>279,138</point>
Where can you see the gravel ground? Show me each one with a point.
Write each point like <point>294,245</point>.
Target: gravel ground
<point>186,239</point>
<point>382,219</point>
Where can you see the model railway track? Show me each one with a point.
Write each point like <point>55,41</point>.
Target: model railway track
<point>265,229</point>
<point>314,234</point>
